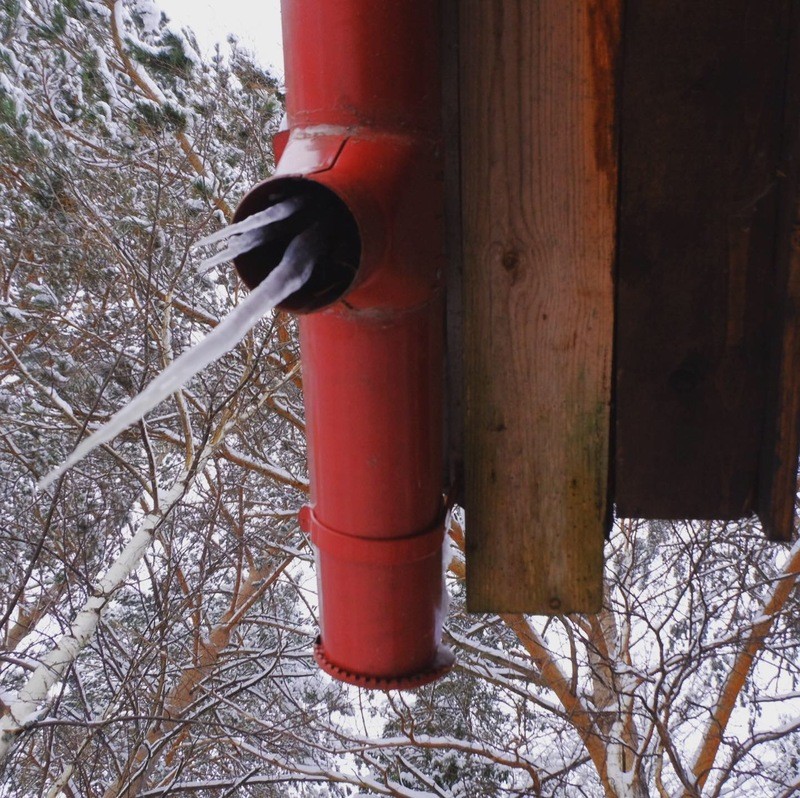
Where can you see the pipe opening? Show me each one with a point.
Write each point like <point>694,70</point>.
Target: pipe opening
<point>337,263</point>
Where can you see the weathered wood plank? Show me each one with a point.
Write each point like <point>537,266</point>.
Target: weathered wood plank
<point>539,180</point>
<point>778,478</point>
<point>701,127</point>
<point>454,406</point>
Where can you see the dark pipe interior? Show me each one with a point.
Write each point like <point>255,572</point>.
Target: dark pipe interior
<point>338,261</point>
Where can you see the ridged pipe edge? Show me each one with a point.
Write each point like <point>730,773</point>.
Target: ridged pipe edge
<point>443,662</point>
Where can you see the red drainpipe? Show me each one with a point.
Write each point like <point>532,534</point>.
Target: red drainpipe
<point>363,105</point>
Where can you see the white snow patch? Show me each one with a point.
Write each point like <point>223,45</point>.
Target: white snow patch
<point>149,13</point>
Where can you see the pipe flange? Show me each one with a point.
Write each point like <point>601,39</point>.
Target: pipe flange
<point>441,665</point>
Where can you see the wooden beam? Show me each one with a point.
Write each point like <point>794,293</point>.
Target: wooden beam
<point>703,91</point>
<point>539,188</point>
<point>454,405</point>
<point>777,494</point>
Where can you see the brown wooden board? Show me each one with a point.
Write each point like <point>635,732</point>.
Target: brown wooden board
<point>778,478</point>
<point>454,405</point>
<point>539,179</point>
<point>703,88</point>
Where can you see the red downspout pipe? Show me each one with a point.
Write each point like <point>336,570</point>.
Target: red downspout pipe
<point>363,105</point>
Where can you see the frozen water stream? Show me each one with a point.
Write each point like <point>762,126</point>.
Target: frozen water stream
<point>247,234</point>
<point>291,274</point>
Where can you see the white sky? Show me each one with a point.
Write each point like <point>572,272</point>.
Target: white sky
<point>256,23</point>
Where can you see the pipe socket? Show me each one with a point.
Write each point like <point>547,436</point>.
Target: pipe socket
<point>379,199</point>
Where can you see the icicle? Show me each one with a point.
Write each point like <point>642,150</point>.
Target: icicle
<point>275,213</point>
<point>291,274</point>
<point>241,244</point>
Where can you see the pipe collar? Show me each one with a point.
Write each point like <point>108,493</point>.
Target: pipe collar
<point>375,551</point>
<point>379,197</point>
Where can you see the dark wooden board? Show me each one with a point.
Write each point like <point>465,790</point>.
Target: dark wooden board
<point>454,405</point>
<point>778,478</point>
<point>703,88</point>
<point>538,169</point>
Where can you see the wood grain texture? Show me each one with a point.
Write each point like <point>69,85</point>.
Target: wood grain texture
<point>454,404</point>
<point>539,180</point>
<point>778,476</point>
<point>703,91</point>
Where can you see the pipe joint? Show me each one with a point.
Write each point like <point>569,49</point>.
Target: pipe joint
<point>379,590</point>
<point>378,196</point>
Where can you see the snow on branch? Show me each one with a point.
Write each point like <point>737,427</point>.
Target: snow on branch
<point>720,714</point>
<point>31,700</point>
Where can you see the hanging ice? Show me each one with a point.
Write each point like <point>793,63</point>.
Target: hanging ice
<point>247,234</point>
<point>291,274</point>
<point>275,213</point>
<point>241,244</point>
